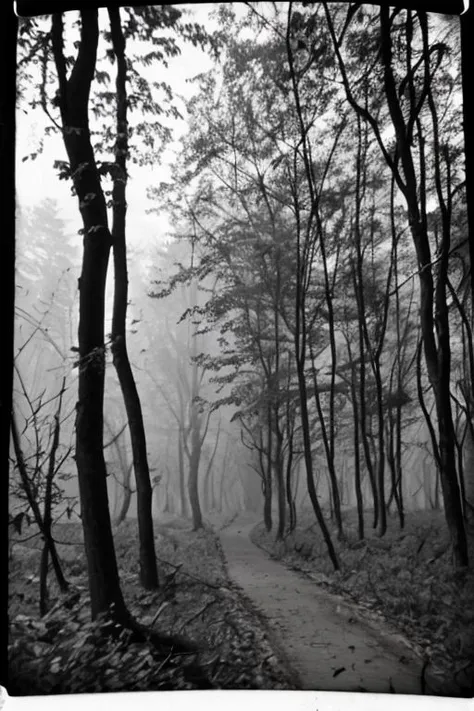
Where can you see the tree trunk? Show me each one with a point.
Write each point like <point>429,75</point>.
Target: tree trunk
<point>437,354</point>
<point>126,500</point>
<point>309,469</point>
<point>289,494</point>
<point>467,54</point>
<point>357,474</point>
<point>208,483</point>
<point>328,436</point>
<point>468,456</point>
<point>73,97</point>
<point>358,284</point>
<point>281,501</point>
<point>147,556</point>
<point>182,483</point>
<point>43,598</point>
<point>194,459</point>
<point>382,527</point>
<point>268,479</point>
<point>126,471</point>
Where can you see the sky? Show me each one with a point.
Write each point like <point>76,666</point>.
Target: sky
<point>37,180</point>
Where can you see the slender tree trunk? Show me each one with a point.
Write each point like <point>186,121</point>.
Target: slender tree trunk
<point>329,433</point>
<point>281,500</point>
<point>126,499</point>
<point>194,460</point>
<point>328,442</point>
<point>182,476</point>
<point>208,488</point>
<point>300,347</point>
<point>396,430</point>
<point>126,471</point>
<point>289,494</point>
<point>268,492</point>
<point>44,595</point>
<point>357,473</point>
<point>382,528</point>
<point>309,469</point>
<point>148,569</point>
<point>223,476</point>
<point>358,283</point>
<point>47,515</point>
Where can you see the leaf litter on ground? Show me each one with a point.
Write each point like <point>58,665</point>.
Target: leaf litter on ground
<point>65,652</point>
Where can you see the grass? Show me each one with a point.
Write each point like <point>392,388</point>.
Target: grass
<point>405,578</point>
<point>64,652</point>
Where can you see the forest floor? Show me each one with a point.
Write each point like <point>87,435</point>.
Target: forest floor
<point>402,584</point>
<point>63,652</point>
<point>394,619</point>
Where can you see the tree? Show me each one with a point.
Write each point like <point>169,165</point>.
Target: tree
<point>416,87</point>
<point>38,487</point>
<point>240,223</point>
<point>184,388</point>
<point>90,155</point>
<point>73,99</point>
<point>148,569</point>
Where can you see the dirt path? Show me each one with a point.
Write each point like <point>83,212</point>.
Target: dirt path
<point>325,645</point>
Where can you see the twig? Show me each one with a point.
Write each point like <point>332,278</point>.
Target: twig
<point>428,266</point>
<point>189,575</point>
<point>198,614</point>
<point>159,611</point>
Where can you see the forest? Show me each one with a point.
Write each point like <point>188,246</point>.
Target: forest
<point>248,330</point>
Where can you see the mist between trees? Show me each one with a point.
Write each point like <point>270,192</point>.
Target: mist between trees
<point>303,339</point>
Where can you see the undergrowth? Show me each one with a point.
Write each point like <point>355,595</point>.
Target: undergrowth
<point>64,652</point>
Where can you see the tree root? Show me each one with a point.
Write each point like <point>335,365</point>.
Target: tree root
<point>168,646</point>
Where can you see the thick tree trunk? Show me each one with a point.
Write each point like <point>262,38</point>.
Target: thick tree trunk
<point>104,586</point>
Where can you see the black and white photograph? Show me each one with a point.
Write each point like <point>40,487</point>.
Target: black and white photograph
<point>240,447</point>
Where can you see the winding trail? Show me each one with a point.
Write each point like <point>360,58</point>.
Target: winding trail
<point>327,646</point>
